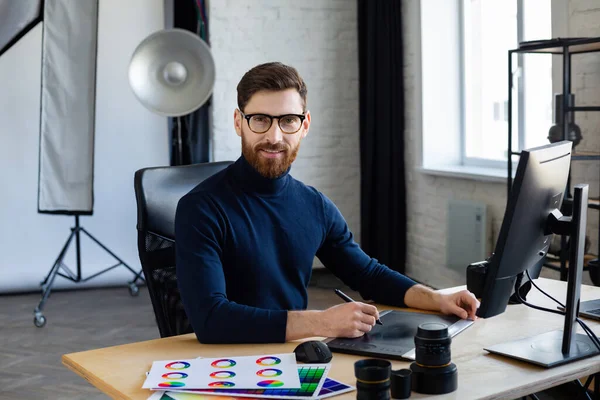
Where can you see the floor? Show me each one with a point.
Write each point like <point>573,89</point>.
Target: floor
<point>30,365</point>
<point>30,357</point>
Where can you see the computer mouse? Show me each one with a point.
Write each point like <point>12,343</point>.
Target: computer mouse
<point>313,352</point>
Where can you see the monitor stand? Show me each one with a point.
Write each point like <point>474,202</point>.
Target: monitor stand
<point>546,349</point>
<point>560,347</point>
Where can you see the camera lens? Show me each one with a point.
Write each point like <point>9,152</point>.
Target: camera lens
<point>372,379</point>
<point>432,371</point>
<point>432,345</point>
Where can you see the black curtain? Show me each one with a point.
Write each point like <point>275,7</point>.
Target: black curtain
<point>195,129</point>
<point>381,94</point>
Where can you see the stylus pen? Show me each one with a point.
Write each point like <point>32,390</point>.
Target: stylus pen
<point>347,299</point>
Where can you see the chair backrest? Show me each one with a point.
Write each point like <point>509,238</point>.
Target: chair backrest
<point>157,192</point>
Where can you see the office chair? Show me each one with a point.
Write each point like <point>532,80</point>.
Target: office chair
<point>157,192</point>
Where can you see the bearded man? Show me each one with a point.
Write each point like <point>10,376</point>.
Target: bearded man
<point>246,237</point>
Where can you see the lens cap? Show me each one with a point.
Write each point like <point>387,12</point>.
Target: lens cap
<point>401,383</point>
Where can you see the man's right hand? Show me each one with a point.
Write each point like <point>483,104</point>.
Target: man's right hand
<point>348,320</point>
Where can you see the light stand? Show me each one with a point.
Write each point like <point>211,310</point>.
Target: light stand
<point>558,347</point>
<point>39,319</point>
<point>178,157</point>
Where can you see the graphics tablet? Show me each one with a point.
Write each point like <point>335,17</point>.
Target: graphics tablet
<point>395,339</point>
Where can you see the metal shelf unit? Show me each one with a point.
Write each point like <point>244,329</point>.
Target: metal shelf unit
<point>565,47</point>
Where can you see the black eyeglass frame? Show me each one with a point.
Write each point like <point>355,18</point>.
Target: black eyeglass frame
<point>272,117</point>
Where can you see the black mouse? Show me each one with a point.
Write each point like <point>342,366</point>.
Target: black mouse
<point>313,352</point>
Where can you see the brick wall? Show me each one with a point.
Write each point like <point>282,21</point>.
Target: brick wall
<point>584,21</point>
<point>428,195</point>
<point>319,38</point>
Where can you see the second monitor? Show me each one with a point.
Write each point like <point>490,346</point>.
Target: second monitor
<point>532,215</point>
<point>523,241</point>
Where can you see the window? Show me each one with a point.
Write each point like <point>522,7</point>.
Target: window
<point>489,29</point>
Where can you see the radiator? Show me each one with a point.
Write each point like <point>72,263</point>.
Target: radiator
<point>468,235</point>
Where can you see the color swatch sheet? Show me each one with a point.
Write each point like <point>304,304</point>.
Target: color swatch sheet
<point>247,372</point>
<point>160,395</point>
<point>330,388</point>
<point>313,379</point>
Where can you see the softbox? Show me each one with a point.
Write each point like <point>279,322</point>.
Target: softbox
<point>67,122</point>
<point>66,163</point>
<point>16,19</point>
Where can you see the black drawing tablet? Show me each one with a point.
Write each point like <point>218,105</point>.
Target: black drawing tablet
<point>395,339</point>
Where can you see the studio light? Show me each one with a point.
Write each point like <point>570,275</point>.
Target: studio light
<point>172,73</point>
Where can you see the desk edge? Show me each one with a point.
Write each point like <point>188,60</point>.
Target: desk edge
<point>99,384</point>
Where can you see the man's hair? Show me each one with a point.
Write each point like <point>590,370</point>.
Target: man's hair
<point>273,76</point>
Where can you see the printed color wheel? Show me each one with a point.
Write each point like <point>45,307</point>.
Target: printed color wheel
<point>269,372</point>
<point>268,361</point>
<point>175,375</point>
<point>270,383</point>
<point>223,363</point>
<point>222,374</point>
<point>177,365</point>
<point>171,384</point>
<point>221,384</point>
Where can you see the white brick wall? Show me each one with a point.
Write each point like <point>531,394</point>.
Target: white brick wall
<point>584,20</point>
<point>428,195</point>
<point>319,39</point>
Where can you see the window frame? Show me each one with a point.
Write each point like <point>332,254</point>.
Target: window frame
<point>520,95</point>
<point>438,133</point>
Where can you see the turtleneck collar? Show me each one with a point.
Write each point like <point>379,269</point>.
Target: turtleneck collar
<point>252,181</point>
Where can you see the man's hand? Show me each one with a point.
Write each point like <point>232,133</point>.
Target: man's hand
<point>352,320</point>
<point>348,320</point>
<point>463,303</point>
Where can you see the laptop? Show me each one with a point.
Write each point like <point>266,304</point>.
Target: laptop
<point>589,309</point>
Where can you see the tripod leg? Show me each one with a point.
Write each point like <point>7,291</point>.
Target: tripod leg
<point>134,290</point>
<point>137,275</point>
<point>48,288</point>
<point>60,257</point>
<point>39,320</point>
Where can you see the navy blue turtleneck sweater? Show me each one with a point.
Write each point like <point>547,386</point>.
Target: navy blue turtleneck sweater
<point>245,248</point>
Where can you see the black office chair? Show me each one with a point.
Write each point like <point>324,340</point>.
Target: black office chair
<point>157,192</point>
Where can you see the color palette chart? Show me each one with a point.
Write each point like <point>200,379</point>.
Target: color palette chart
<point>330,388</point>
<point>247,372</point>
<point>168,396</point>
<point>313,379</point>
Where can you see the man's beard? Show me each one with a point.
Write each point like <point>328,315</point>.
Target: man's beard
<point>270,167</point>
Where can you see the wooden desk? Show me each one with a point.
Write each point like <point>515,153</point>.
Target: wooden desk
<point>119,371</point>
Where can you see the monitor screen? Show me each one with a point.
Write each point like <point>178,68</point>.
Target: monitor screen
<point>538,188</point>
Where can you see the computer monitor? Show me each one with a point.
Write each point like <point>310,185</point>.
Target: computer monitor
<point>538,188</point>
<point>532,215</point>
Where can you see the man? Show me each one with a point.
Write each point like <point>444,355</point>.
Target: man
<point>246,237</point>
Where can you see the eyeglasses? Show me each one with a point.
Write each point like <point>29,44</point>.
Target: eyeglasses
<point>288,123</point>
